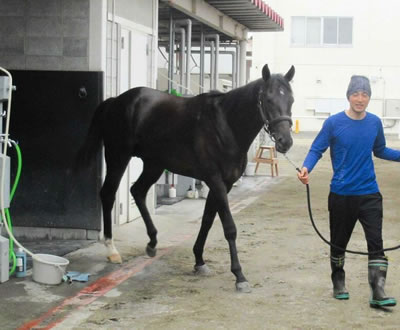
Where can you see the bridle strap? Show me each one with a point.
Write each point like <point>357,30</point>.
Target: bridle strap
<point>269,124</point>
<point>281,118</point>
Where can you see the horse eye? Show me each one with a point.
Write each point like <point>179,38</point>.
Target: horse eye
<point>281,91</point>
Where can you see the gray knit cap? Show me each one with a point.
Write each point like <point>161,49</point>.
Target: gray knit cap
<point>358,84</point>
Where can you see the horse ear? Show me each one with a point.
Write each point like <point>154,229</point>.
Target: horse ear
<point>265,72</point>
<point>290,74</point>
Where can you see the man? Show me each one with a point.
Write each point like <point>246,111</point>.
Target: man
<point>353,135</point>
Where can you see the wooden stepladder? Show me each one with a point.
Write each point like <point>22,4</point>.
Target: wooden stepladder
<point>271,158</point>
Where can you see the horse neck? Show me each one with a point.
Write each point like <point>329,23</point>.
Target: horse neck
<point>243,113</point>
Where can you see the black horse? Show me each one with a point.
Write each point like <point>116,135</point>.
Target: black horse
<point>205,137</point>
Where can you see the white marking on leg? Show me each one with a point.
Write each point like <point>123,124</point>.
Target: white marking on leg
<point>112,254</point>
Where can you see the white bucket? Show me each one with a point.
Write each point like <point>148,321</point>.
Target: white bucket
<point>172,192</point>
<point>49,273</point>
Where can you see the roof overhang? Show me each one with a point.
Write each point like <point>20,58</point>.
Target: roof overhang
<point>255,15</point>
<point>232,19</point>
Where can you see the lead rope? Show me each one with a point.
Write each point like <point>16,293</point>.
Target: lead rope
<point>320,235</point>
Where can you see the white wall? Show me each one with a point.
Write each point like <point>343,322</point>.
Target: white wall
<point>324,72</point>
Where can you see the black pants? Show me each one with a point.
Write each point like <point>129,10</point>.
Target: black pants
<point>344,211</point>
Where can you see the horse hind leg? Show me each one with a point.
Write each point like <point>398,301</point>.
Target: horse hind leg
<point>139,190</point>
<point>115,169</point>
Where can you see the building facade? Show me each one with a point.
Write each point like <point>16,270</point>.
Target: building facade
<point>328,42</point>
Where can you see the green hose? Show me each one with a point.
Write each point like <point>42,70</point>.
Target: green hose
<point>12,257</point>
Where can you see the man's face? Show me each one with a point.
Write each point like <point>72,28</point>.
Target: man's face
<point>359,101</point>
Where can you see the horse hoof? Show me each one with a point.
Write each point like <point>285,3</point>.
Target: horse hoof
<point>150,251</point>
<point>243,287</point>
<point>115,259</point>
<point>202,270</point>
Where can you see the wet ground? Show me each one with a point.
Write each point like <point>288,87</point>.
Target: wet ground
<point>285,262</point>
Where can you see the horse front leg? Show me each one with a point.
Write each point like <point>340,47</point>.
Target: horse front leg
<point>108,199</point>
<point>115,170</point>
<point>207,221</point>
<point>220,190</point>
<point>139,190</point>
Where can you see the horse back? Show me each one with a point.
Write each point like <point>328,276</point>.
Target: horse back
<point>178,132</point>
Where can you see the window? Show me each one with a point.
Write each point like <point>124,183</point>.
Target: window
<point>322,31</point>
<point>298,36</point>
<point>313,31</point>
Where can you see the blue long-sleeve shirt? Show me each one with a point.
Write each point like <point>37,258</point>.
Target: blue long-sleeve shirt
<point>351,143</point>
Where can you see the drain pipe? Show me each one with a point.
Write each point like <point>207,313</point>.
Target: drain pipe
<point>171,53</point>
<point>235,56</point>
<point>188,23</point>
<point>237,64</point>
<point>212,65</point>
<point>234,62</point>
<point>242,62</point>
<point>181,58</point>
<point>112,48</point>
<point>216,73</point>
<point>201,61</point>
<point>234,66</point>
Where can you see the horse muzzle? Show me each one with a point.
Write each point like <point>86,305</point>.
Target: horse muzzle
<point>283,144</point>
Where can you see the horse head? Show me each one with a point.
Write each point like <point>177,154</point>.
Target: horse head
<point>275,104</point>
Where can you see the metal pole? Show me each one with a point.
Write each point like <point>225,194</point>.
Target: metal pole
<point>182,58</point>
<point>201,60</point>
<point>171,53</point>
<point>216,72</point>
<point>212,63</point>
<point>188,55</point>
<point>242,62</point>
<point>188,23</point>
<point>237,64</point>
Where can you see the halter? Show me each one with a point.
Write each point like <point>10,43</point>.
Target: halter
<point>269,124</point>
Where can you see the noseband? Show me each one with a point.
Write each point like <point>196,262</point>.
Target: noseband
<point>268,125</point>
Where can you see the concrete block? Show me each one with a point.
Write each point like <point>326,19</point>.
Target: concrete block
<point>43,62</point>
<point>4,264</point>
<point>76,8</point>
<point>12,26</point>
<point>44,27</point>
<point>75,47</point>
<point>11,45</point>
<point>46,46</point>
<point>66,233</point>
<point>35,233</point>
<point>93,235</point>
<point>10,62</point>
<point>12,7</point>
<point>31,233</point>
<point>75,63</point>
<point>76,27</point>
<point>44,8</point>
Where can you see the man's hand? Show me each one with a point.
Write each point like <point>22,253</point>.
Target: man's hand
<point>303,175</point>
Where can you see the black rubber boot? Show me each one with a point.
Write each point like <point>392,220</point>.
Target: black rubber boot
<point>377,269</point>
<point>338,278</point>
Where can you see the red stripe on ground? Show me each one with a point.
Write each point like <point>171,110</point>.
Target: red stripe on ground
<point>100,287</point>
<point>97,289</point>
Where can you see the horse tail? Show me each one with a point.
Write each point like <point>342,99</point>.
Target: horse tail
<point>94,139</point>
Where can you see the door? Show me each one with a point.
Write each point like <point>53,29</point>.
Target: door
<point>133,72</point>
<point>139,75</point>
<point>124,85</point>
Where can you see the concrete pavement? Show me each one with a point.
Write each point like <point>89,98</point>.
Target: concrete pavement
<point>27,304</point>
